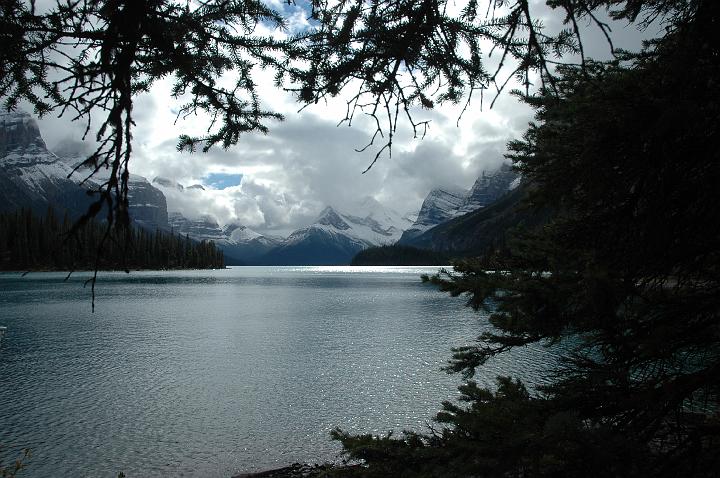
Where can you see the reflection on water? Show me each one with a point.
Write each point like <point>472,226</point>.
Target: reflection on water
<point>209,373</point>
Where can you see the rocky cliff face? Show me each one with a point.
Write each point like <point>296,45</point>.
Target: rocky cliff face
<point>478,230</point>
<point>30,175</point>
<point>439,206</point>
<point>19,132</point>
<point>443,205</point>
<point>204,228</point>
<point>489,187</point>
<point>148,206</point>
<point>33,177</point>
<point>485,228</point>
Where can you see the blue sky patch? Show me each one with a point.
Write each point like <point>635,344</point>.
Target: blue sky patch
<point>222,180</point>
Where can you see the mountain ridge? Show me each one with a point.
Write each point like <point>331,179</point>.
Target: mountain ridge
<point>34,177</point>
<point>444,204</point>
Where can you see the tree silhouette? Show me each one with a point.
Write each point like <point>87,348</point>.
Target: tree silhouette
<point>625,274</point>
<point>29,242</point>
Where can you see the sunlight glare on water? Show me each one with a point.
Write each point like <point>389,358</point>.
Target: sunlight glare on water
<point>211,373</point>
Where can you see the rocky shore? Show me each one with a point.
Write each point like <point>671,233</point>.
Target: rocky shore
<point>304,470</point>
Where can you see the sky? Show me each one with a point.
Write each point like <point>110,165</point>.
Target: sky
<point>278,182</point>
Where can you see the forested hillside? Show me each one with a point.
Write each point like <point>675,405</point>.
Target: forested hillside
<point>29,242</point>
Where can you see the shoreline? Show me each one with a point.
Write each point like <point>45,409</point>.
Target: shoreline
<point>25,272</point>
<point>304,470</point>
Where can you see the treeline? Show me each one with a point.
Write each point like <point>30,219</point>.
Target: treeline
<point>396,255</point>
<point>29,242</point>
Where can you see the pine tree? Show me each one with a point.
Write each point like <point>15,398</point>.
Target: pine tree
<point>28,242</point>
<point>626,273</point>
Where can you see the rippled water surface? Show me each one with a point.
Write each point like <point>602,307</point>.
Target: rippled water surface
<point>211,373</point>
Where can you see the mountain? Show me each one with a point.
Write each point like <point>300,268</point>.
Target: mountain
<point>489,187</point>
<point>240,244</point>
<point>204,228</point>
<point>483,228</point>
<point>335,237</point>
<point>148,205</point>
<point>33,177</point>
<point>385,225</point>
<point>439,206</point>
<point>328,241</point>
<point>30,175</point>
<point>246,244</point>
<point>442,205</point>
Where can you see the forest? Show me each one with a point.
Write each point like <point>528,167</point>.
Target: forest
<point>32,243</point>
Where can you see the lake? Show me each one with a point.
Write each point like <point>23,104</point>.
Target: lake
<point>212,373</point>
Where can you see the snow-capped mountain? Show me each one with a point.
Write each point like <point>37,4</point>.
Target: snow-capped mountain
<point>240,244</point>
<point>385,225</point>
<point>335,237</point>
<point>204,228</point>
<point>32,176</point>
<point>489,187</point>
<point>247,243</point>
<point>442,205</point>
<point>148,205</point>
<point>439,206</point>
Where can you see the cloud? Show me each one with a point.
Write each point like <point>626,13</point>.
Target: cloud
<point>308,162</point>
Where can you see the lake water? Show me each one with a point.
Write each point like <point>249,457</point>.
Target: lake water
<point>212,373</point>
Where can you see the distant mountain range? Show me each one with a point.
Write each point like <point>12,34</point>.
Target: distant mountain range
<point>241,245</point>
<point>449,220</point>
<point>335,237</point>
<point>332,239</point>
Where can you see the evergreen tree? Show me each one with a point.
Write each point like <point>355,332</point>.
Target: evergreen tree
<point>626,273</point>
<point>28,242</point>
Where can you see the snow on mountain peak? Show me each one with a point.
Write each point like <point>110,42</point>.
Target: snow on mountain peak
<point>240,234</point>
<point>367,223</point>
<point>489,187</point>
<point>441,205</point>
<point>383,219</point>
<point>20,140</point>
<point>167,183</point>
<point>19,131</point>
<point>328,217</point>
